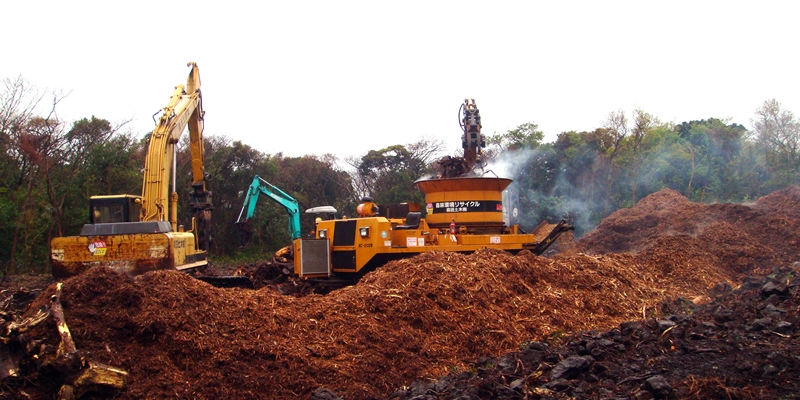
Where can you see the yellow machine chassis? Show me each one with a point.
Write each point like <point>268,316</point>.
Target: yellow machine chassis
<point>132,254</point>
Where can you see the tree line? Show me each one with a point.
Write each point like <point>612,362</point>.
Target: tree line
<point>49,168</point>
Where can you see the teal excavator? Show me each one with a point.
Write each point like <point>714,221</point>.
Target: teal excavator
<point>258,187</point>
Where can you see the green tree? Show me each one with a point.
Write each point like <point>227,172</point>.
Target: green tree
<point>28,142</point>
<point>91,159</point>
<point>388,174</point>
<point>526,135</point>
<point>616,125</point>
<point>778,132</point>
<point>229,168</point>
<point>582,174</point>
<point>643,125</point>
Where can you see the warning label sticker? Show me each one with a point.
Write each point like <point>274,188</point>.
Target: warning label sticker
<point>97,248</point>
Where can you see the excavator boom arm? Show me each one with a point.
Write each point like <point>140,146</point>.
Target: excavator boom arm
<point>158,203</point>
<point>260,186</point>
<point>195,125</point>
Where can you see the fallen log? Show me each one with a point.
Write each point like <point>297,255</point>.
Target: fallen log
<point>80,375</point>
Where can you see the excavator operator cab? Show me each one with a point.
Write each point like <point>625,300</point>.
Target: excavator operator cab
<point>111,209</point>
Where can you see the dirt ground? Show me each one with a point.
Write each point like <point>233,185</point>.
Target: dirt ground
<point>668,299</point>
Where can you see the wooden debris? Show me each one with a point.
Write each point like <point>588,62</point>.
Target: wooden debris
<point>82,374</point>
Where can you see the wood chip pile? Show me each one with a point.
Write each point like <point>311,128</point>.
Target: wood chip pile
<point>741,345</point>
<point>418,318</point>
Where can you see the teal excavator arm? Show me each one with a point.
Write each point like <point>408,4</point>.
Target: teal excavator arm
<point>260,186</point>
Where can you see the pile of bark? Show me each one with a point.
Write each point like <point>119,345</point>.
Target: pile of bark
<point>742,345</point>
<point>750,238</point>
<point>419,319</point>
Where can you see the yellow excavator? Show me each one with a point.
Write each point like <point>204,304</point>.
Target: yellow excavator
<point>135,234</point>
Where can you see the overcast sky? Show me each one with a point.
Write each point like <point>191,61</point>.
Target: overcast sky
<point>346,77</point>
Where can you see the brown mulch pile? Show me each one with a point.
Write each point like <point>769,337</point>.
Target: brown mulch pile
<point>750,238</point>
<point>414,319</point>
<point>742,345</point>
